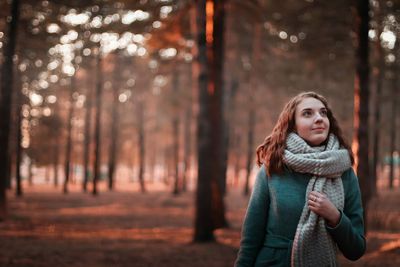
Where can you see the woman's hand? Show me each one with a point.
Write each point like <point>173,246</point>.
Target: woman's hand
<point>321,205</point>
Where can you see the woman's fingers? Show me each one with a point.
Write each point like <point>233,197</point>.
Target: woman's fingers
<point>316,201</point>
<point>316,197</point>
<point>321,205</point>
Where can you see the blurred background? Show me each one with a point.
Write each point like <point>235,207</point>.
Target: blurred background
<point>128,129</point>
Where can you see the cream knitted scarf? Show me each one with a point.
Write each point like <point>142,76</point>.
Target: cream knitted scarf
<point>312,244</point>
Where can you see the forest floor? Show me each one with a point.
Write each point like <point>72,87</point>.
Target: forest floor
<point>126,228</point>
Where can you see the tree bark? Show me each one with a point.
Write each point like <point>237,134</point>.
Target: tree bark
<point>141,140</point>
<point>5,104</point>
<point>175,130</point>
<point>190,124</point>
<point>210,210</point>
<point>175,126</point>
<point>56,148</point>
<point>88,123</point>
<point>250,152</point>
<point>47,174</point>
<point>224,145</point>
<point>377,113</point>
<point>18,151</point>
<point>252,104</point>
<point>56,132</point>
<point>218,113</point>
<point>114,126</point>
<point>166,161</point>
<point>231,136</point>
<point>97,148</point>
<point>395,103</point>
<point>30,172</point>
<point>236,166</point>
<point>187,148</point>
<point>68,148</point>
<point>361,104</point>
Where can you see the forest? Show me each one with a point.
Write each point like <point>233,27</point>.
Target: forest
<point>129,128</point>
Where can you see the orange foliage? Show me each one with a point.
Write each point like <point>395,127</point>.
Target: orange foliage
<point>355,143</point>
<point>209,22</point>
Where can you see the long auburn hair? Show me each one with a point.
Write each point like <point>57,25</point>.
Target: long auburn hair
<point>270,152</point>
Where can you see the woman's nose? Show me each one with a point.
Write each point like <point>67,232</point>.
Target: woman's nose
<point>318,117</point>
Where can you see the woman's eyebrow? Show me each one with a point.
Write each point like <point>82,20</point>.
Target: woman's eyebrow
<point>310,109</point>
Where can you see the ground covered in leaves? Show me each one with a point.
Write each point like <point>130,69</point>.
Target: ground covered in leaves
<point>125,228</point>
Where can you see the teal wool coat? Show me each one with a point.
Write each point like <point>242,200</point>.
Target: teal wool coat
<point>274,210</point>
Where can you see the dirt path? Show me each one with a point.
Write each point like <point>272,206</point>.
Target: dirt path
<point>46,228</point>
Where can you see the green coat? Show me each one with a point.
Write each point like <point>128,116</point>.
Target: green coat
<point>274,210</point>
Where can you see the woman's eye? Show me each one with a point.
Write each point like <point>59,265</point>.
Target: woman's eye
<point>307,113</point>
<point>324,113</point>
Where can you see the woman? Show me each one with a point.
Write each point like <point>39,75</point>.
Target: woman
<point>306,200</point>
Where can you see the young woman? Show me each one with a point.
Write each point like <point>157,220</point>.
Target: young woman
<point>306,200</point>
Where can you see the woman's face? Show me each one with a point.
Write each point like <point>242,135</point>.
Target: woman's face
<point>311,121</point>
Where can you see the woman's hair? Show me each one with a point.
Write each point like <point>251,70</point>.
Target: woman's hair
<point>270,152</point>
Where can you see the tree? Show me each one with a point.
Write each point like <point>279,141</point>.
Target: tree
<point>98,99</point>
<point>18,151</point>
<point>88,122</point>
<point>175,129</point>
<point>56,145</point>
<point>68,148</point>
<point>393,128</point>
<point>5,103</point>
<point>361,103</point>
<point>210,44</point>
<point>252,113</point>
<point>380,72</point>
<point>114,124</point>
<point>141,142</point>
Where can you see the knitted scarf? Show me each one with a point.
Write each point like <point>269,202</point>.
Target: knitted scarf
<point>312,244</point>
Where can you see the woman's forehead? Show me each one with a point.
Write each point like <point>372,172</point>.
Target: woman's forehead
<point>310,103</point>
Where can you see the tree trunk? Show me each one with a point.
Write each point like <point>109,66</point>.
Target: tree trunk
<point>133,165</point>
<point>166,166</point>
<point>56,148</point>
<point>361,104</point>
<point>30,172</point>
<point>187,148</point>
<point>377,113</point>
<point>175,130</point>
<point>190,125</point>
<point>57,144</point>
<point>224,145</point>
<point>114,126</point>
<point>236,167</point>
<point>250,152</point>
<point>97,146</point>
<point>217,114</point>
<point>210,211</point>
<point>68,148</point>
<point>395,103</point>
<point>18,151</point>
<point>47,174</point>
<point>88,123</point>
<point>55,164</point>
<point>140,113</point>
<point>231,107</point>
<point>252,113</point>
<point>5,104</point>
<point>175,127</point>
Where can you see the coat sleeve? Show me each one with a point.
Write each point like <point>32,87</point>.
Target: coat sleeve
<point>349,233</point>
<point>255,220</point>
